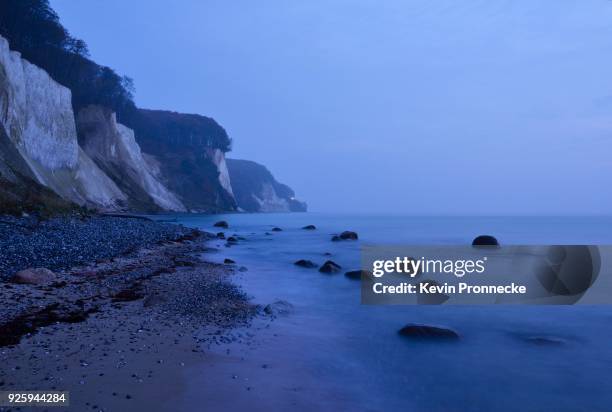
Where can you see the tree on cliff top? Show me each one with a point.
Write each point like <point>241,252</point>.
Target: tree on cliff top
<point>33,28</point>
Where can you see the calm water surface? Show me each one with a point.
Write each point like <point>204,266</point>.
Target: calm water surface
<point>335,345</point>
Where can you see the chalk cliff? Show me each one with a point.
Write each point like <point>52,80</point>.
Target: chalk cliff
<point>19,191</point>
<point>256,190</point>
<point>188,151</point>
<point>151,161</point>
<point>113,148</point>
<point>36,116</point>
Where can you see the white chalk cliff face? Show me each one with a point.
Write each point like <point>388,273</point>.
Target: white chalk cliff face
<point>36,113</point>
<point>113,147</point>
<point>218,158</point>
<point>269,201</point>
<point>94,161</point>
<point>256,190</point>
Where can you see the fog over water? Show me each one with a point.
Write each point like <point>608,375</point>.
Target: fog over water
<point>420,106</point>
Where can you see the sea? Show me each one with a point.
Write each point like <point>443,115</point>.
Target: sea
<point>332,352</point>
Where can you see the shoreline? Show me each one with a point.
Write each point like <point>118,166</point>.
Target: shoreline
<point>118,332</point>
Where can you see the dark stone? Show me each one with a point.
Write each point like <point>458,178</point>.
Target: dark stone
<point>485,240</point>
<point>34,276</point>
<point>428,332</point>
<point>309,227</point>
<point>305,263</point>
<point>280,307</point>
<point>545,340</point>
<point>346,235</point>
<point>330,267</point>
<point>357,274</point>
<point>232,239</point>
<point>220,235</point>
<point>569,271</point>
<point>221,223</point>
<point>277,229</point>
<point>229,261</point>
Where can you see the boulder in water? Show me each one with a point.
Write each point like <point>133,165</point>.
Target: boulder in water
<point>277,229</point>
<point>346,235</point>
<point>358,274</point>
<point>330,267</point>
<point>485,240</point>
<point>428,332</point>
<point>221,223</point>
<point>309,227</point>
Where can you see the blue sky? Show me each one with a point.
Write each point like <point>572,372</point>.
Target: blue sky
<point>403,106</point>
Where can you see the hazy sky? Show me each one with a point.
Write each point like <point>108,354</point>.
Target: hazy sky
<point>406,106</point>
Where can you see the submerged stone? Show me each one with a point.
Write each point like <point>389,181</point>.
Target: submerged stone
<point>428,332</point>
<point>305,263</point>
